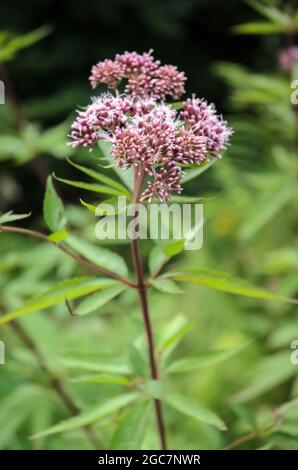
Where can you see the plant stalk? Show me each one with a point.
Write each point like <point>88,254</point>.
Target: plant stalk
<point>142,291</point>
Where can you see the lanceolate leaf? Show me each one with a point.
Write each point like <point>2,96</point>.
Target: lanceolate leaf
<point>95,301</point>
<point>166,285</point>
<point>53,209</point>
<point>100,177</point>
<point>225,282</point>
<point>205,359</point>
<point>92,364</point>
<point>100,256</point>
<point>91,416</point>
<point>11,217</point>
<point>69,289</point>
<point>95,188</point>
<point>102,379</point>
<point>132,429</point>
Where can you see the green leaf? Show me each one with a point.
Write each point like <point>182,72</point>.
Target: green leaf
<point>270,12</point>
<point>226,283</point>
<point>173,248</point>
<point>102,379</point>
<point>13,44</point>
<point>90,207</point>
<point>57,237</point>
<point>157,259</point>
<point>69,289</point>
<point>10,217</point>
<point>91,416</point>
<point>260,27</point>
<point>131,431</point>
<point>193,173</point>
<point>173,333</point>
<point>100,177</point>
<point>95,188</point>
<point>205,359</point>
<point>166,286</point>
<point>161,391</point>
<point>53,209</point>
<point>94,365</point>
<point>138,362</point>
<point>100,256</point>
<point>97,300</point>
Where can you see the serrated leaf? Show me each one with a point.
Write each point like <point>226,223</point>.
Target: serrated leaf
<point>53,209</point>
<point>10,217</point>
<point>69,289</point>
<point>226,283</point>
<point>97,300</point>
<point>100,256</point>
<point>91,416</point>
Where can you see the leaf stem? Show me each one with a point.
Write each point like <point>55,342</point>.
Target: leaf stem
<point>79,259</point>
<point>142,290</point>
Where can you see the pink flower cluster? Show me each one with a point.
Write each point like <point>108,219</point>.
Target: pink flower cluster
<point>144,76</point>
<point>288,58</point>
<point>146,133</point>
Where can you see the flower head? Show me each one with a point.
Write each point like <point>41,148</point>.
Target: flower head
<point>288,58</point>
<point>145,132</point>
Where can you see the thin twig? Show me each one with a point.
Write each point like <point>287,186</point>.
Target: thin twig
<point>55,381</point>
<point>142,289</point>
<point>61,247</point>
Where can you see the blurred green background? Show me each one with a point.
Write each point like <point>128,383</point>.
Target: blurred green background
<point>250,224</point>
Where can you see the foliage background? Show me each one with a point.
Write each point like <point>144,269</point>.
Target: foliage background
<point>251,223</point>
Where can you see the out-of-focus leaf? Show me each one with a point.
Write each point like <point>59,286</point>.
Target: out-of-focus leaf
<point>193,173</point>
<point>95,365</point>
<point>13,44</point>
<point>100,256</point>
<point>59,236</point>
<point>259,27</point>
<point>69,289</point>
<point>132,429</point>
<point>10,217</point>
<point>97,300</point>
<point>137,360</point>
<point>157,259</point>
<point>53,209</point>
<point>206,359</point>
<point>166,285</point>
<point>90,416</point>
<point>102,379</point>
<point>224,282</point>
<point>270,12</point>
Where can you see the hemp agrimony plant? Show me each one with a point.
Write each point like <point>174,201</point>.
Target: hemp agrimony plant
<point>155,145</point>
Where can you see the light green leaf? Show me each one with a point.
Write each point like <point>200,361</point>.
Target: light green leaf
<point>100,177</point>
<point>102,379</point>
<point>97,300</point>
<point>270,12</point>
<point>173,248</point>
<point>193,173</point>
<point>57,237</point>
<point>10,217</point>
<point>53,209</point>
<point>166,285</point>
<point>95,188</point>
<point>161,391</point>
<point>94,365</point>
<point>13,44</point>
<point>224,282</point>
<point>91,207</point>
<point>131,431</point>
<point>205,359</point>
<point>100,256</point>
<point>91,416</point>
<point>69,289</point>
<point>260,27</point>
<point>157,259</point>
